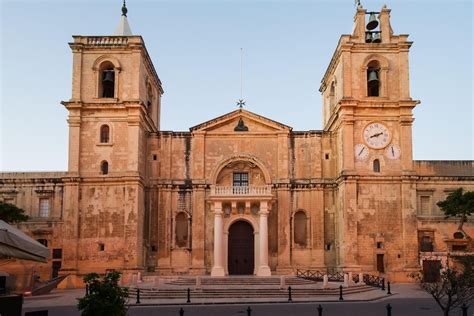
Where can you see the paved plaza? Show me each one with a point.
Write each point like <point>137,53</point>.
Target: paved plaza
<point>406,299</point>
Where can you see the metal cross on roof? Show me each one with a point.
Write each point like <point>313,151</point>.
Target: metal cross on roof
<point>241,103</point>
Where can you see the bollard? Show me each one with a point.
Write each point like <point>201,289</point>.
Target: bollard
<point>282,282</point>
<point>464,310</point>
<point>389,309</point>
<point>189,296</point>
<point>138,295</point>
<point>383,284</point>
<point>388,288</point>
<point>249,311</point>
<point>320,310</point>
<point>181,312</point>
<point>289,294</point>
<point>325,281</point>
<point>346,280</point>
<point>340,293</point>
<point>87,289</point>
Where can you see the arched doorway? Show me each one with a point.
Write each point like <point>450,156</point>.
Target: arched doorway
<point>241,249</point>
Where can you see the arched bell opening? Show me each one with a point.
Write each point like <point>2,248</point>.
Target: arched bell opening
<point>373,79</point>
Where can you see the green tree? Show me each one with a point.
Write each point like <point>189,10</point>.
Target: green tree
<point>11,213</point>
<point>105,297</point>
<point>458,204</point>
<point>454,287</point>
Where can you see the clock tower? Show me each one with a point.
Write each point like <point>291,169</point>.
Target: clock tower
<point>367,110</point>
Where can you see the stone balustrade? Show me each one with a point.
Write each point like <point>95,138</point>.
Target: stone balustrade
<point>241,190</point>
<point>107,40</point>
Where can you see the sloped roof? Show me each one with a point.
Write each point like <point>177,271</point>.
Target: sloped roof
<point>240,113</point>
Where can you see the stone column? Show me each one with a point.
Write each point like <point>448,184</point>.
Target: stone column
<point>218,269</point>
<point>263,269</point>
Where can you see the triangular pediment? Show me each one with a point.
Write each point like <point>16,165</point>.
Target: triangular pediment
<point>240,121</point>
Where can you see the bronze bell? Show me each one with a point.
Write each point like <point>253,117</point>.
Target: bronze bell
<point>376,38</point>
<point>373,23</point>
<point>368,37</point>
<point>108,76</point>
<point>372,75</point>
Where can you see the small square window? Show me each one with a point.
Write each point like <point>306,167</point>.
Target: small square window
<point>44,242</point>
<point>379,245</point>
<point>101,247</point>
<point>155,157</point>
<point>326,156</point>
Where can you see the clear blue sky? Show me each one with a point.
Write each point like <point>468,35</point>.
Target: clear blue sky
<point>195,46</point>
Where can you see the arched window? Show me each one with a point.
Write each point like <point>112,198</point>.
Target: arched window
<point>149,102</point>
<point>376,165</point>
<point>373,79</point>
<point>332,96</point>
<point>300,231</point>
<point>104,167</point>
<point>181,230</point>
<point>107,80</point>
<point>104,134</point>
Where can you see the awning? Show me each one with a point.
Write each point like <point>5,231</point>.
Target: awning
<point>16,244</point>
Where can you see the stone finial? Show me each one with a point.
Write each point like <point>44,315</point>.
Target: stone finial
<point>124,9</point>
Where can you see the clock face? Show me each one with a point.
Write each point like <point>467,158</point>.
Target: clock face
<point>376,135</point>
<point>361,152</point>
<point>392,151</point>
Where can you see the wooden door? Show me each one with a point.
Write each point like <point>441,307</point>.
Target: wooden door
<point>380,263</point>
<point>241,249</point>
<point>431,270</point>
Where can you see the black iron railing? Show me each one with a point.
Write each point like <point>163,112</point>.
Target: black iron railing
<point>315,275</point>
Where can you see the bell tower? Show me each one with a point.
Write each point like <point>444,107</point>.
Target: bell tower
<point>366,97</point>
<point>367,111</point>
<point>115,106</point>
<point>114,85</point>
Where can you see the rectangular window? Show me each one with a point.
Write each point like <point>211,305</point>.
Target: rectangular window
<point>57,253</point>
<point>44,207</point>
<point>425,204</point>
<point>241,179</point>
<point>426,244</point>
<point>459,248</point>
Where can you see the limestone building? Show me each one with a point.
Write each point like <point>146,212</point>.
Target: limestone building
<point>241,193</point>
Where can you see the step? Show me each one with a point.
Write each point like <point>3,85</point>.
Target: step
<point>244,293</point>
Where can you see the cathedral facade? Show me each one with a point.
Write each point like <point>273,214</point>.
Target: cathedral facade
<point>241,194</point>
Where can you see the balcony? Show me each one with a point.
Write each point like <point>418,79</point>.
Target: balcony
<point>241,191</point>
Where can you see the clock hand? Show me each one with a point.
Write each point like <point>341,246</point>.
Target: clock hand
<point>375,135</point>
<point>393,153</point>
<point>360,152</point>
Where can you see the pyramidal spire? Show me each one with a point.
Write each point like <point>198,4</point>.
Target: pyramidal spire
<point>123,29</point>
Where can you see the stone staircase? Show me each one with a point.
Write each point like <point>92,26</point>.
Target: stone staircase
<point>233,287</point>
<point>239,281</point>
